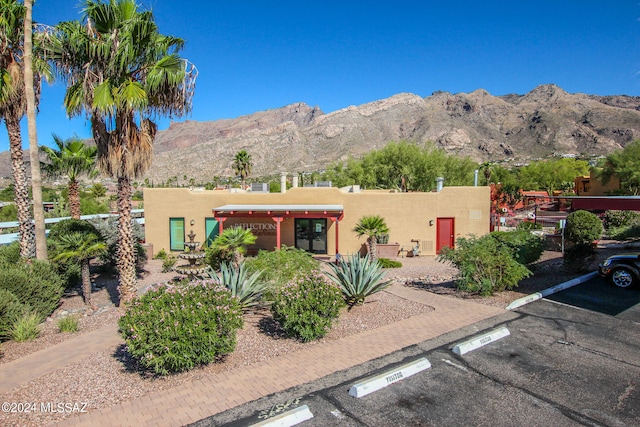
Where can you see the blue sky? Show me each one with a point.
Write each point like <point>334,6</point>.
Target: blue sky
<point>255,55</point>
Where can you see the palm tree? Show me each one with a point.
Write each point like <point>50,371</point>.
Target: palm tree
<point>12,109</point>
<point>235,240</point>
<point>242,165</point>
<point>371,226</point>
<point>81,247</point>
<point>30,95</point>
<point>122,72</point>
<point>487,170</point>
<point>72,158</point>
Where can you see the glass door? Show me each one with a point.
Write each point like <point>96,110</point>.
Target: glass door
<point>311,235</point>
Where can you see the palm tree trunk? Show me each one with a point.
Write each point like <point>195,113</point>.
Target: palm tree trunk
<point>36,178</point>
<point>25,226</point>
<point>74,199</point>
<point>86,282</point>
<point>373,248</point>
<point>127,282</point>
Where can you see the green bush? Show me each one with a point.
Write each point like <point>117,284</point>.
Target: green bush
<point>526,225</point>
<point>527,248</point>
<point>625,233</point>
<point>282,266</point>
<point>215,257</point>
<point>485,265</point>
<point>168,262</point>
<point>358,278</point>
<point>614,219</point>
<point>68,324</point>
<point>583,227</point>
<point>173,328</point>
<point>161,254</point>
<point>306,308</point>
<point>37,285</point>
<point>108,229</point>
<point>389,263</point>
<point>578,257</point>
<point>11,309</point>
<point>26,327</point>
<point>248,288</point>
<point>10,254</point>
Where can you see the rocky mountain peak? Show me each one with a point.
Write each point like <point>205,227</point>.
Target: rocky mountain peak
<point>484,127</point>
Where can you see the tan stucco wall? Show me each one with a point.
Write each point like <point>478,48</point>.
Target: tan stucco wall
<point>406,214</point>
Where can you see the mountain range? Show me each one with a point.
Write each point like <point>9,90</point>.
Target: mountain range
<point>301,138</point>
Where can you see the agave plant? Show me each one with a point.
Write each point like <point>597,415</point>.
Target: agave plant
<point>358,278</point>
<point>248,288</point>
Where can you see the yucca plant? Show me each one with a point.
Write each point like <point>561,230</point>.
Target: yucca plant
<point>248,288</point>
<point>358,278</point>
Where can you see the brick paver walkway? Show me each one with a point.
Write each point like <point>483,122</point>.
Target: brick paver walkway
<point>216,393</point>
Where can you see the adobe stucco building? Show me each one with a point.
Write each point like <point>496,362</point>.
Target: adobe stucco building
<point>317,219</point>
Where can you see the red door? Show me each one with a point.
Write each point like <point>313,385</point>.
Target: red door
<point>445,233</point>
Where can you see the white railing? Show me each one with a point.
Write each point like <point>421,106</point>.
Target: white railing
<point>5,239</point>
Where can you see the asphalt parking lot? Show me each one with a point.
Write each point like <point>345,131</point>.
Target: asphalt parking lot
<point>562,365</point>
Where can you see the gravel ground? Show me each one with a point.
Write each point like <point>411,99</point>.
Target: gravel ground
<point>108,377</point>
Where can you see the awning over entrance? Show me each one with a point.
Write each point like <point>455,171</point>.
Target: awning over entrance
<point>278,212</point>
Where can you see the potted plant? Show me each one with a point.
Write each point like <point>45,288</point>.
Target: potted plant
<point>376,230</point>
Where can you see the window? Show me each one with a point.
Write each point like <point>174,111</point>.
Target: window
<point>176,234</point>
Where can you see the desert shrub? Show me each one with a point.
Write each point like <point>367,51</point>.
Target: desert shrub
<point>485,265</point>
<point>26,327</point>
<point>307,307</point>
<point>625,233</point>
<point>10,254</point>
<point>36,284</point>
<point>389,263</point>
<point>282,266</point>
<point>11,309</point>
<point>578,257</point>
<point>614,219</point>
<point>161,254</point>
<point>108,229</point>
<point>583,227</point>
<point>622,225</point>
<point>248,288</point>
<point>173,328</point>
<point>215,257</point>
<point>527,248</point>
<point>581,230</point>
<point>526,225</point>
<point>358,278</point>
<point>68,324</point>
<point>168,262</point>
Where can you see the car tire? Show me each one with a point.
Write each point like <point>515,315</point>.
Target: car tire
<point>622,277</point>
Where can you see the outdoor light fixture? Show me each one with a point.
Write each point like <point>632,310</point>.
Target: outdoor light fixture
<point>430,222</point>
<point>193,221</point>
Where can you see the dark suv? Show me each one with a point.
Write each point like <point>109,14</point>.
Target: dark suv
<point>622,270</point>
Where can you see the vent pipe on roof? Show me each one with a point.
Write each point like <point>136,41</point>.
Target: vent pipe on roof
<point>439,183</point>
<point>283,182</point>
<point>475,178</point>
